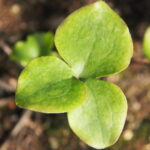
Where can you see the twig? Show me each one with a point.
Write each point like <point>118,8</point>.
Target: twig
<point>141,61</point>
<point>144,79</point>
<point>25,121</point>
<point>5,48</point>
<point>6,86</point>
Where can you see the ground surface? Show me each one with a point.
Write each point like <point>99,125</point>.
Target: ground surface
<point>24,130</point>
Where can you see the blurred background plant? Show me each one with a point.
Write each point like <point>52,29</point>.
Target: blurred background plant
<point>146,43</point>
<point>36,44</point>
<point>21,129</point>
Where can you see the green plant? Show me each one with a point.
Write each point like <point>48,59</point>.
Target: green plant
<point>93,42</point>
<point>36,44</point>
<point>146,43</point>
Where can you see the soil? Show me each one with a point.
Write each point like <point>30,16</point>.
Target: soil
<point>22,129</point>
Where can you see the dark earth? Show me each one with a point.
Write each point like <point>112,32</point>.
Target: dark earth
<point>25,130</point>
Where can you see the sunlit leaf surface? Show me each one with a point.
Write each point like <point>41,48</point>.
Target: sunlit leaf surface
<point>47,85</point>
<point>100,120</point>
<point>94,41</point>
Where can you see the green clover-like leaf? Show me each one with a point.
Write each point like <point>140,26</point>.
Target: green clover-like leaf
<point>47,85</point>
<point>146,43</point>
<point>37,44</point>
<point>100,120</point>
<point>94,41</point>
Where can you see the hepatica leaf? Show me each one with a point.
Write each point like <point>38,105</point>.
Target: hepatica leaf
<point>37,44</point>
<point>46,85</point>
<point>100,120</point>
<point>146,43</point>
<point>94,41</point>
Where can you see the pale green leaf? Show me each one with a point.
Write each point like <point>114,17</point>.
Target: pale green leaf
<point>146,43</point>
<point>46,85</point>
<point>94,41</point>
<point>100,120</point>
<point>37,44</point>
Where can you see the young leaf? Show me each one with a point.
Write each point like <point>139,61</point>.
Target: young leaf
<point>46,85</point>
<point>100,120</point>
<point>37,44</point>
<point>94,41</point>
<point>146,43</point>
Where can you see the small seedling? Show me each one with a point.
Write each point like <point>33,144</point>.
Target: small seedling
<point>36,44</point>
<point>146,43</point>
<point>93,42</point>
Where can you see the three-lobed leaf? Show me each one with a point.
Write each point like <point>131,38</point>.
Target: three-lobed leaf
<point>94,41</point>
<point>100,120</point>
<point>47,85</point>
<point>37,44</point>
<point>146,43</point>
